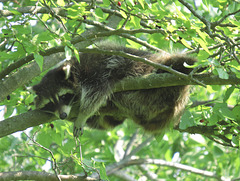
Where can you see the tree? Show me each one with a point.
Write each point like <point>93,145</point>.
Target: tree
<point>36,35</point>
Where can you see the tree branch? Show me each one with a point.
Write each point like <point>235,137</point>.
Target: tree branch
<point>171,165</point>
<point>166,80</point>
<point>25,120</point>
<point>130,144</point>
<point>124,176</point>
<point>129,162</point>
<point>31,9</point>
<point>40,176</point>
<point>150,175</point>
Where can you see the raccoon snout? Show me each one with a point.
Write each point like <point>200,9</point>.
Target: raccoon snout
<point>63,115</point>
<point>64,111</point>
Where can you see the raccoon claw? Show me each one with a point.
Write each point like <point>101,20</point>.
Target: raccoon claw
<point>77,131</point>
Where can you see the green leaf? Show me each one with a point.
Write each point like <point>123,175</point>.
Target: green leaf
<point>236,112</point>
<point>22,29</point>
<point>123,14</point>
<point>171,28</point>
<point>29,99</point>
<point>168,155</point>
<point>184,42</point>
<point>106,2</point>
<point>222,73</point>
<point>228,93</point>
<point>14,11</point>
<point>133,44</point>
<point>202,55</point>
<point>226,112</point>
<point>136,21</point>
<point>203,35</point>
<point>77,10</point>
<point>68,52</point>
<point>222,1</point>
<point>180,14</point>
<point>141,2</point>
<point>43,139</point>
<point>76,54</point>
<point>187,120</point>
<point>103,173</point>
<point>99,12</point>
<point>213,119</point>
<point>56,137</point>
<point>43,36</point>
<point>202,44</point>
<point>67,147</point>
<point>39,59</point>
<point>45,17</point>
<point>61,2</point>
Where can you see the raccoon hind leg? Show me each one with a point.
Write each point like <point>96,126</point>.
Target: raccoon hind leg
<point>107,117</point>
<point>104,122</point>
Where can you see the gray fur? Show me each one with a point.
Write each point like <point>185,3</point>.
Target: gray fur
<point>90,84</point>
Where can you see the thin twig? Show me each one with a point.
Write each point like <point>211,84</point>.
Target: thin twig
<point>139,147</point>
<point>54,163</point>
<point>130,143</point>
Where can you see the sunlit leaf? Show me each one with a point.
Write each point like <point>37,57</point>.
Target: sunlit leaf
<point>61,2</point>
<point>203,44</point>
<point>185,43</point>
<point>222,73</point>
<point>39,59</point>
<point>228,93</point>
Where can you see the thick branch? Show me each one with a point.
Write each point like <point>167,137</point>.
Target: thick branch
<point>24,121</point>
<point>128,162</point>
<point>40,176</point>
<point>33,118</point>
<point>170,164</point>
<point>165,80</point>
<point>33,9</point>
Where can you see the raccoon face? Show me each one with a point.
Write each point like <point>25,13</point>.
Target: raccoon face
<point>60,106</point>
<point>56,91</point>
<point>64,105</point>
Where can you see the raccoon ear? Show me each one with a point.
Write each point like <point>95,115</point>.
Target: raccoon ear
<point>67,69</point>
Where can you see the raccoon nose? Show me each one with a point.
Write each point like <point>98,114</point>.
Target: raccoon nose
<point>63,115</point>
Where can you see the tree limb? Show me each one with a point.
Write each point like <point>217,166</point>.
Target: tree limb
<point>129,162</point>
<point>25,120</point>
<point>31,9</point>
<point>40,176</point>
<point>124,176</point>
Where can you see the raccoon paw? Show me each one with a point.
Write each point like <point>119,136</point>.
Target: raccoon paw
<point>77,131</point>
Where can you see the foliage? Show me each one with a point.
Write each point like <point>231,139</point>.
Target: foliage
<point>209,30</point>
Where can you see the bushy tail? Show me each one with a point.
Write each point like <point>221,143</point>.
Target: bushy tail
<point>178,62</point>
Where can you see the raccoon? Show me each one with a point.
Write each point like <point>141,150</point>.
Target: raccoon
<point>88,86</point>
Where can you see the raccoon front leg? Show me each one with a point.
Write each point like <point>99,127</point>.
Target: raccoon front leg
<point>92,98</point>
